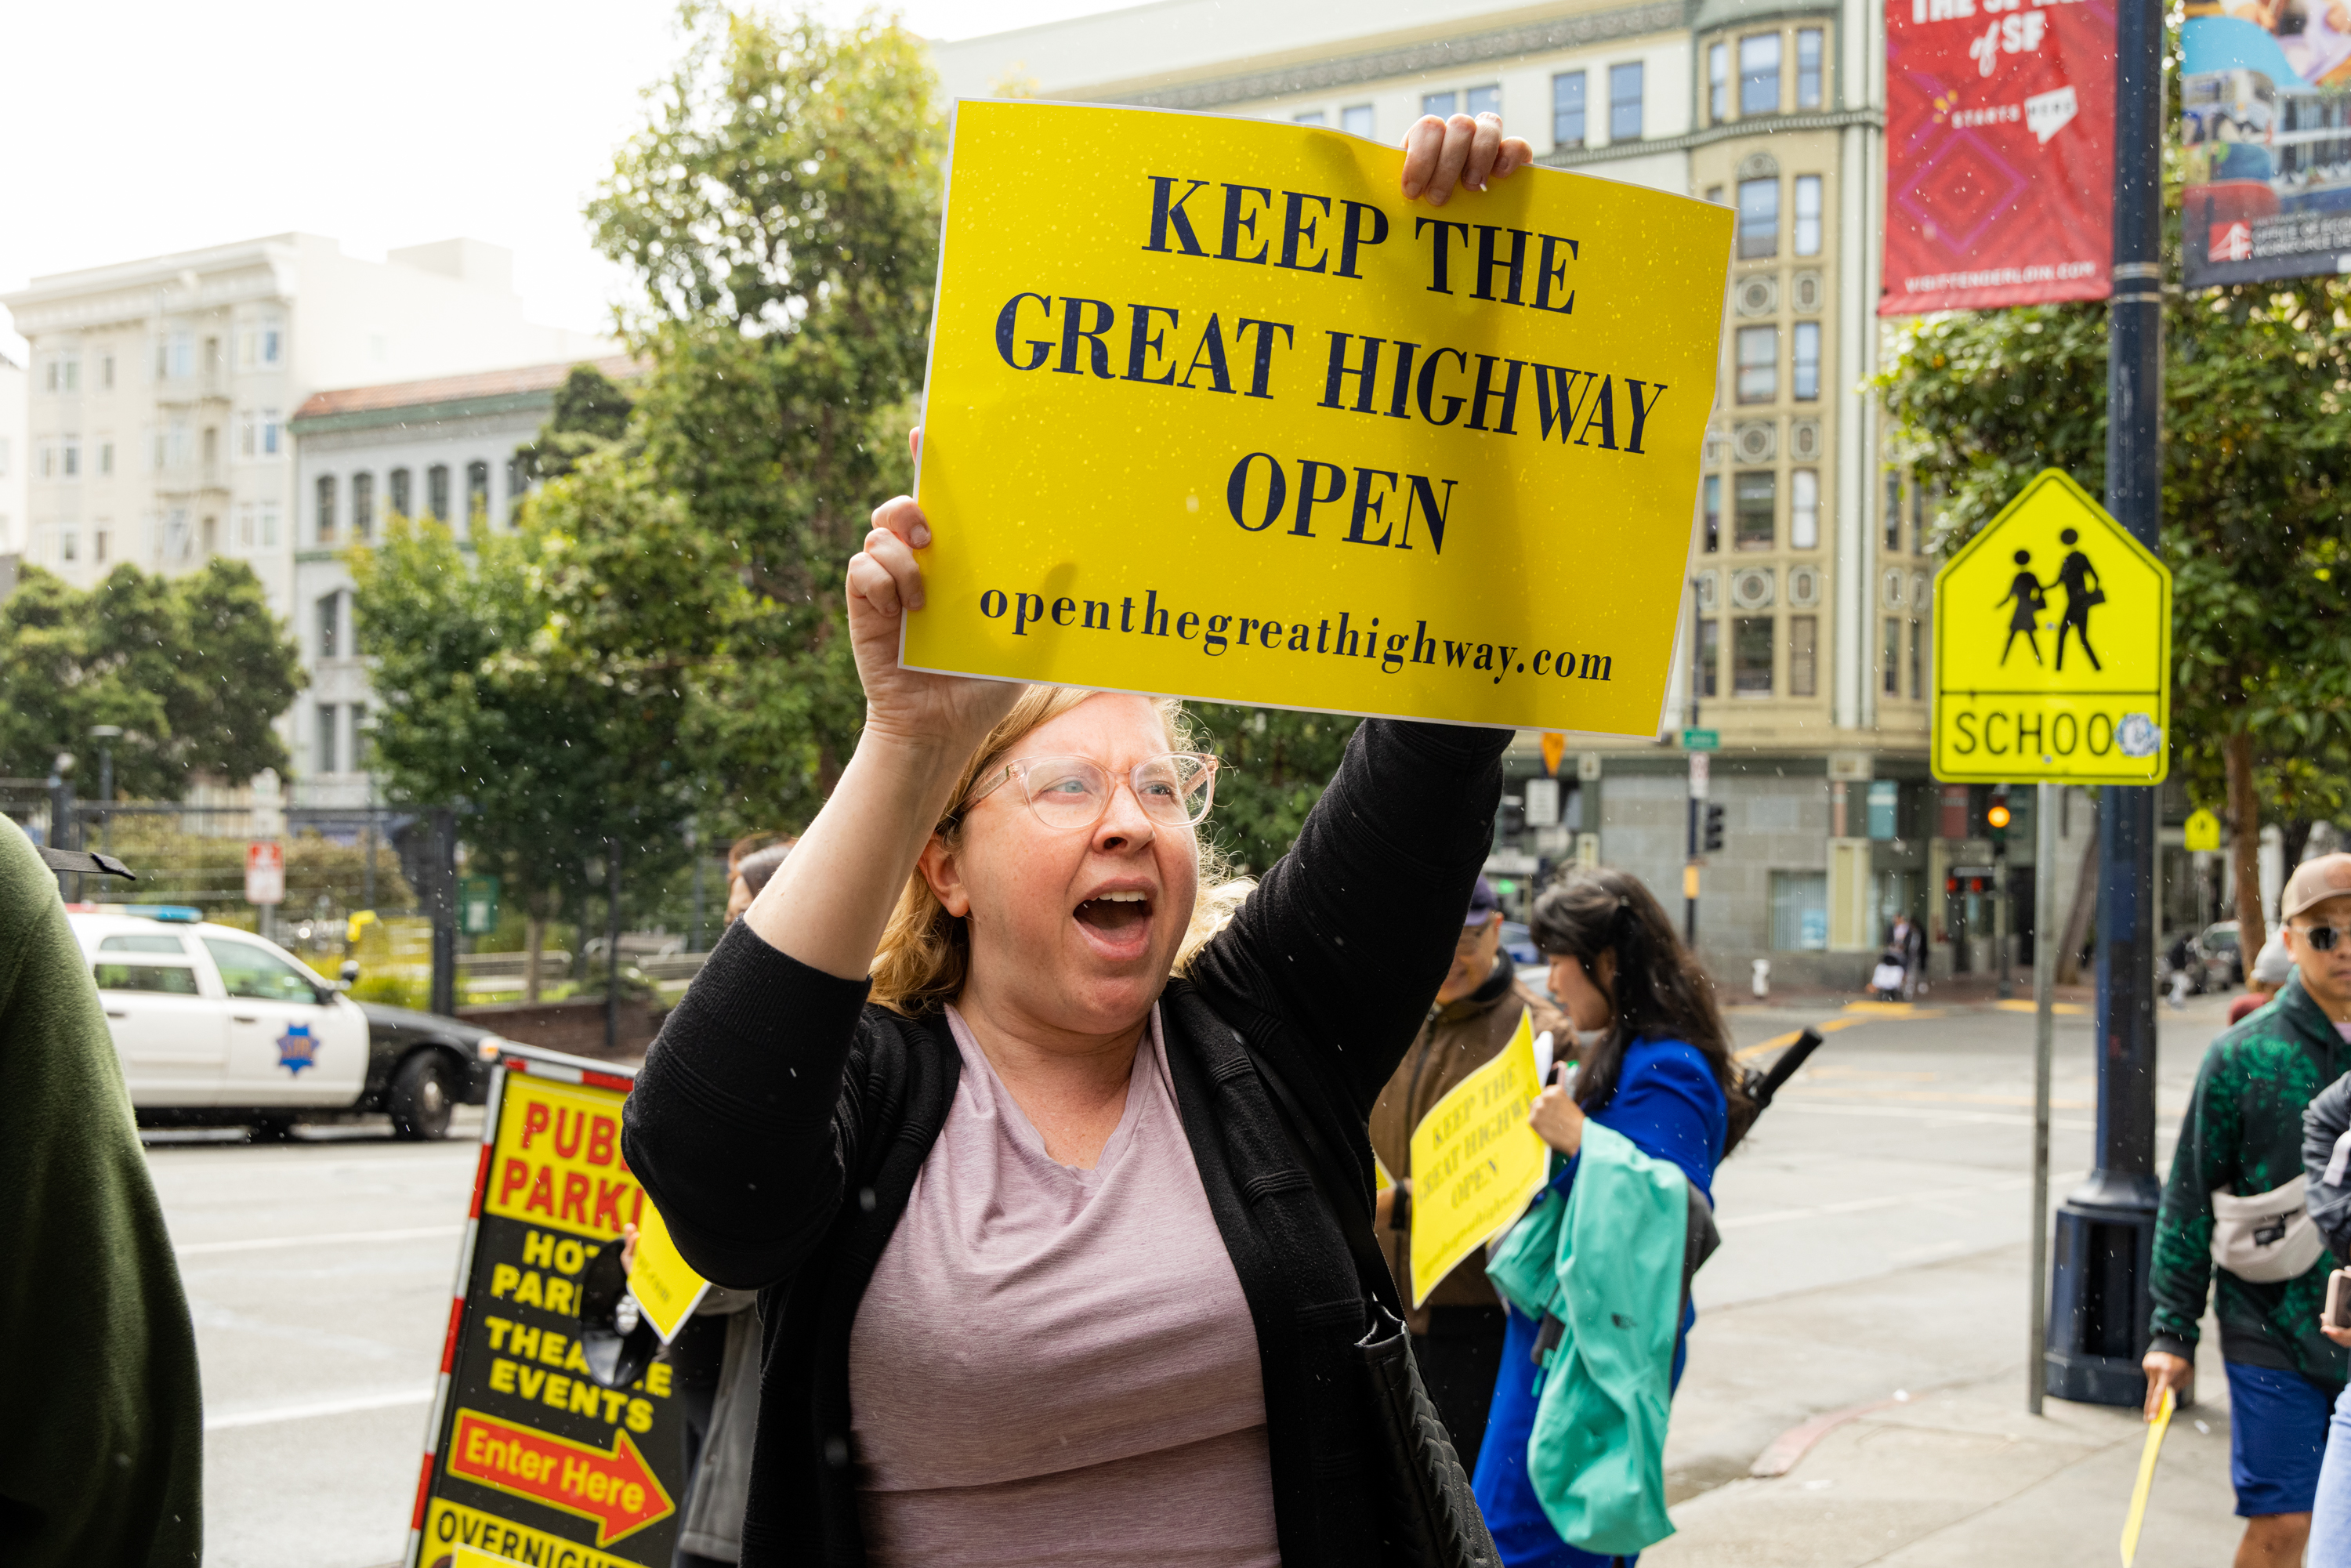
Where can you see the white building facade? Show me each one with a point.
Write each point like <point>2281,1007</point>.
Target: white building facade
<point>14,387</point>
<point>442,448</point>
<point>160,391</point>
<point>1805,638</point>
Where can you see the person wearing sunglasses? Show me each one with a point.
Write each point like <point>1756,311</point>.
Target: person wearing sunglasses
<point>2233,1222</point>
<point>1002,1099</point>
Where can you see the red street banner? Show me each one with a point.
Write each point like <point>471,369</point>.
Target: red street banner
<point>1999,168</point>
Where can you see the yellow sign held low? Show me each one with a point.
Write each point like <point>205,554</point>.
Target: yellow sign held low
<point>2145,1483</point>
<point>1212,410</point>
<point>2052,648</point>
<point>1475,1162</point>
<point>666,1286</point>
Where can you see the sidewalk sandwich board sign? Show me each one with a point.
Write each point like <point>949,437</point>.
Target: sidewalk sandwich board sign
<point>2052,648</point>
<point>528,1459</point>
<point>264,872</point>
<point>1214,411</point>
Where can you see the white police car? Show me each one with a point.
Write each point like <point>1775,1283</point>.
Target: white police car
<point>216,1026</point>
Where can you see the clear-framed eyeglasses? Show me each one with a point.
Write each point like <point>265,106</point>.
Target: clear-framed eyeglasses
<point>1176,788</point>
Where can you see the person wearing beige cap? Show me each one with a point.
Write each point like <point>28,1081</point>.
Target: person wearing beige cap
<point>2233,1221</point>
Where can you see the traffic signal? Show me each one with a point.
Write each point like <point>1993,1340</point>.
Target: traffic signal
<point>1713,840</point>
<point>1997,819</point>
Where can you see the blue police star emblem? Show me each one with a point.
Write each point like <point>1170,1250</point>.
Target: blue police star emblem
<point>297,1048</point>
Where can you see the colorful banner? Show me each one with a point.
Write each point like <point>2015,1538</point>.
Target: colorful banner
<point>531,1459</point>
<point>2265,125</point>
<point>2000,164</point>
<point>1214,411</point>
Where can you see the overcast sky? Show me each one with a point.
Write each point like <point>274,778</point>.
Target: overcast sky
<point>139,128</point>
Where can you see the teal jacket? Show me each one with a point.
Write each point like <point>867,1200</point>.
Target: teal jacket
<point>1596,1460</point>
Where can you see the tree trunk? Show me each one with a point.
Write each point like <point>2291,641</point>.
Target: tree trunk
<point>534,943</point>
<point>2247,846</point>
<point>2086,906</point>
<point>2294,835</point>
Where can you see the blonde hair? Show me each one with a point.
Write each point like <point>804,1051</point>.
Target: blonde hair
<point>925,952</point>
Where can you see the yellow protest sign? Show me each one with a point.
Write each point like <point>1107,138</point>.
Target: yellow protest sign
<point>2144,1485</point>
<point>2052,648</point>
<point>2203,830</point>
<point>666,1286</point>
<point>1213,411</point>
<point>1475,1162</point>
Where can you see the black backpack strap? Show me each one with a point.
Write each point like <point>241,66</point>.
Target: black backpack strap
<point>88,862</point>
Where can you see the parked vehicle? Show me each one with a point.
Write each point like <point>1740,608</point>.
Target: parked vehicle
<point>2221,956</point>
<point>1520,943</point>
<point>216,1026</point>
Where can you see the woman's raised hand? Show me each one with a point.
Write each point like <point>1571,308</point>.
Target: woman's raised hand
<point>885,581</point>
<point>1439,154</point>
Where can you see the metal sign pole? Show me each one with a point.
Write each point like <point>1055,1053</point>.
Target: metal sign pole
<point>2045,982</point>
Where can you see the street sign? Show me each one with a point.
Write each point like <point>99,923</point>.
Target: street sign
<point>264,872</point>
<point>477,906</point>
<point>2052,648</point>
<point>530,1455</point>
<point>1701,740</point>
<point>2203,830</point>
<point>1701,771</point>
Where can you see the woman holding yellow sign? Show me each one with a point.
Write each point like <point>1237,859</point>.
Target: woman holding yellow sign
<point>1570,1476</point>
<point>1005,1107</point>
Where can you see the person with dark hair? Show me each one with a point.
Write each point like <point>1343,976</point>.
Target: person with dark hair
<point>751,874</point>
<point>1655,1066</point>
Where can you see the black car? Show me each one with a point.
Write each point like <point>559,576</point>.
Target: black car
<point>423,1066</point>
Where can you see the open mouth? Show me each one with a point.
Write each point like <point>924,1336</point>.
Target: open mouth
<point>1115,914</point>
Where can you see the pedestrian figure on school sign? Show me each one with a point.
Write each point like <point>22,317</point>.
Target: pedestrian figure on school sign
<point>2030,599</point>
<point>2080,580</point>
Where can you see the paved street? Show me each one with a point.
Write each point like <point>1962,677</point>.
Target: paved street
<point>1874,1257</point>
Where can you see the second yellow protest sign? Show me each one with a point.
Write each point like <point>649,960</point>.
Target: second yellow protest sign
<point>666,1286</point>
<point>1475,1162</point>
<point>1213,411</point>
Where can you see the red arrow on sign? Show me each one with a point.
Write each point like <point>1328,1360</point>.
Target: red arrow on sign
<point>613,1486</point>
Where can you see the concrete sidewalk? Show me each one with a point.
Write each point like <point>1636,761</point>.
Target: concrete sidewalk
<point>1918,1452</point>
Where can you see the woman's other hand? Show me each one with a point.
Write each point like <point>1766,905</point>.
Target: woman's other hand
<point>885,581</point>
<point>1439,154</point>
<point>1557,1118</point>
<point>628,1249</point>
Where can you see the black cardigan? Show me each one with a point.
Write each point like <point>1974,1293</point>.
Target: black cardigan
<point>779,1120</point>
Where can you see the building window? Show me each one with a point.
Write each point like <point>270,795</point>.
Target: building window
<point>1918,518</point>
<point>1717,83</point>
<point>268,525</point>
<point>100,537</point>
<point>65,373</point>
<point>68,542</point>
<point>1759,363</point>
<point>1567,109</point>
<point>477,493</point>
<point>329,608</point>
<point>175,534</point>
<point>176,356</point>
<point>1758,74</point>
<point>1891,676</point>
<point>1808,67</point>
<point>270,429</point>
<point>326,508</point>
<point>69,456</point>
<point>400,493</point>
<point>105,373</point>
<point>1751,656</point>
<point>1804,655</point>
<point>1713,194</point>
<point>1917,687</point>
<point>106,457</point>
<point>1800,911</point>
<point>1625,102</point>
<point>1804,362</point>
<point>212,450</point>
<point>1808,214</point>
<point>248,538</point>
<point>1710,657</point>
<point>1756,494</point>
<point>1440,104</point>
<point>1480,100</point>
<point>1893,511</point>
<point>359,721</point>
<point>1311,117</point>
<point>326,739</point>
<point>1713,492</point>
<point>211,536</point>
<point>517,487</point>
<point>1804,510</point>
<point>1758,218</point>
<point>436,491</point>
<point>363,505</point>
<point>1358,121</point>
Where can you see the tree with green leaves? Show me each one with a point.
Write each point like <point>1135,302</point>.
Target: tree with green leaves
<point>2256,487</point>
<point>590,413</point>
<point>194,670</point>
<point>780,214</point>
<point>1277,763</point>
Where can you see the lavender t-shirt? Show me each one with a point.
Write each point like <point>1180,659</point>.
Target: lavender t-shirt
<point>1054,1365</point>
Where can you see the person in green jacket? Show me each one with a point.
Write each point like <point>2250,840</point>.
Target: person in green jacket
<point>2232,1219</point>
<point>101,1452</point>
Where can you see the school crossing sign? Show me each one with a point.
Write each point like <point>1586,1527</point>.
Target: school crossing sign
<point>2052,648</point>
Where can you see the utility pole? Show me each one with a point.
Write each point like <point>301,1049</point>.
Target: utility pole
<point>2106,1228</point>
<point>612,946</point>
<point>441,902</point>
<point>1997,817</point>
<point>1698,786</point>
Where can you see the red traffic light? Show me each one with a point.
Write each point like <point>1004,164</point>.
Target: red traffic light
<point>1997,815</point>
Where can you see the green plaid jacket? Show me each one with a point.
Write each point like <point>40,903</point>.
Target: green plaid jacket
<point>2243,1132</point>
